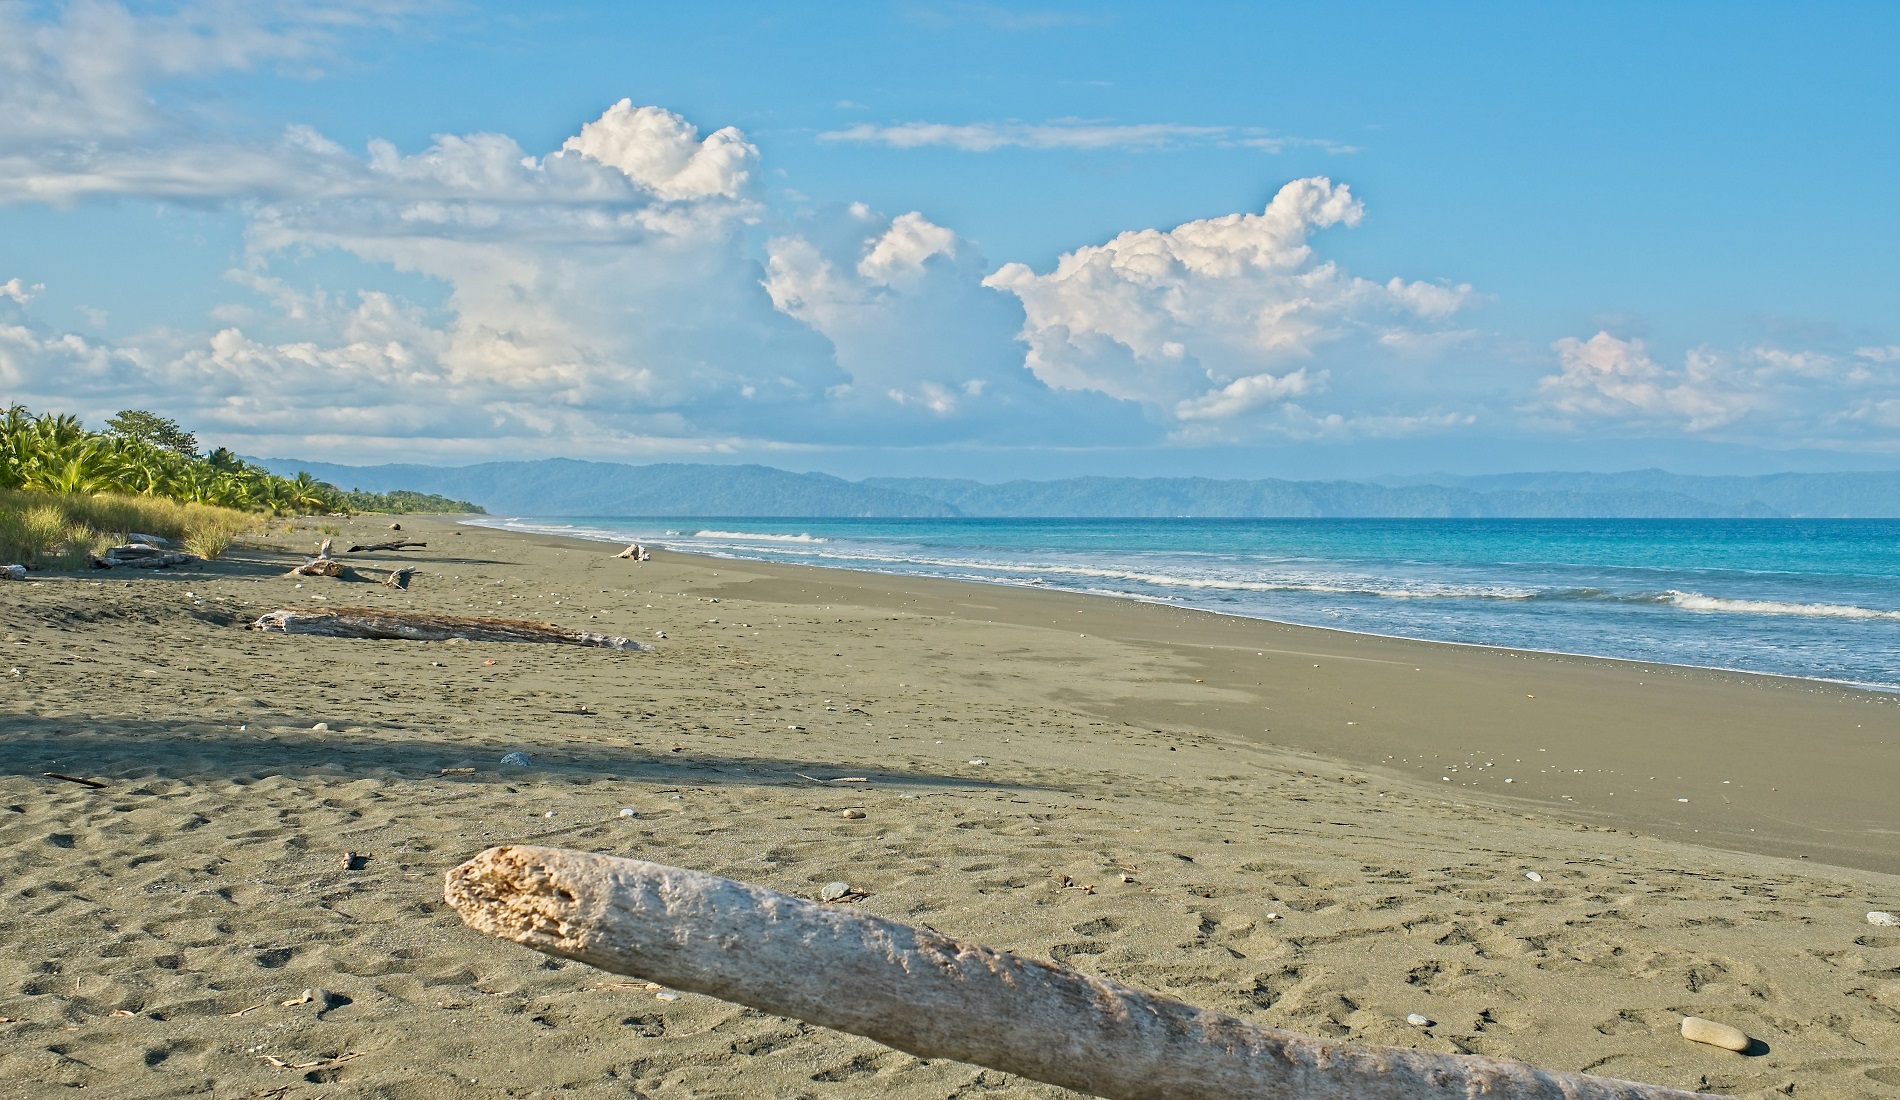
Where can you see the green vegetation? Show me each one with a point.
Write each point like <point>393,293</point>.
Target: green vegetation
<point>66,492</point>
<point>60,529</point>
<point>142,454</point>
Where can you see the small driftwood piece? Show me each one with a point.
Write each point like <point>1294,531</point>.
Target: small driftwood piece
<point>323,565</point>
<point>417,626</point>
<point>921,992</point>
<point>399,578</point>
<point>635,552</point>
<point>398,544</point>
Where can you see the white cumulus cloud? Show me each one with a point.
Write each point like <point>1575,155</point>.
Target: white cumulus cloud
<point>1762,394</point>
<point>1217,319</point>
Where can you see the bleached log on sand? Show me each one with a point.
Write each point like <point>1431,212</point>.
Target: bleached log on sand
<point>935,997</point>
<point>635,552</point>
<point>417,626</point>
<point>138,555</point>
<point>399,578</point>
<point>323,565</point>
<point>398,544</point>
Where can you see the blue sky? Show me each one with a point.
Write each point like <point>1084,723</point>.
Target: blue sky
<point>962,238</point>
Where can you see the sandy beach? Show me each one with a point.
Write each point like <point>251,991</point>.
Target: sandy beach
<point>1306,828</point>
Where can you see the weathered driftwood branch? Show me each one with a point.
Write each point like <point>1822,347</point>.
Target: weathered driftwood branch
<point>635,552</point>
<point>323,565</point>
<point>399,578</point>
<point>398,544</point>
<point>139,555</point>
<point>416,626</point>
<point>936,997</point>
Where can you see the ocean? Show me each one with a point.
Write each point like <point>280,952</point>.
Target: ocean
<point>1810,598</point>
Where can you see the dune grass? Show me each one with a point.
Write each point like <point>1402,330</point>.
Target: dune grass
<point>59,530</point>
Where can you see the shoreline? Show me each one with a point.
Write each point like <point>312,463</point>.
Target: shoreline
<point>604,538</point>
<point>1166,797</point>
<point>1809,816</point>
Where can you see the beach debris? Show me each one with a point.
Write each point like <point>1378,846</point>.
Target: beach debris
<point>323,565</point>
<point>456,771</point>
<point>1698,1030</point>
<point>841,891</point>
<point>1417,1020</point>
<point>628,811</point>
<point>417,626</point>
<point>852,814</point>
<point>303,998</point>
<point>399,578</point>
<point>14,572</point>
<point>926,994</point>
<point>636,552</point>
<point>1064,882</point>
<point>139,555</point>
<point>666,995</point>
<point>518,759</point>
<point>149,540</point>
<point>1533,876</point>
<point>1269,916</point>
<point>395,527</point>
<point>979,760</point>
<point>96,785</point>
<point>318,1063</point>
<point>398,544</point>
<point>659,634</point>
<point>840,779</point>
<point>353,861</point>
<point>1889,920</point>
<point>321,727</point>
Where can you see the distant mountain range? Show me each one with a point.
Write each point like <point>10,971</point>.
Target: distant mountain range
<point>565,487</point>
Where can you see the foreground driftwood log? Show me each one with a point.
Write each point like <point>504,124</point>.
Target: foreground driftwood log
<point>417,626</point>
<point>935,997</point>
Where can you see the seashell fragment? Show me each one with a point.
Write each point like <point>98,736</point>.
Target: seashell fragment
<point>1890,920</point>
<point>1698,1030</point>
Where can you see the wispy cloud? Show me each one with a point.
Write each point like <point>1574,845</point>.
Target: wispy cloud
<point>984,137</point>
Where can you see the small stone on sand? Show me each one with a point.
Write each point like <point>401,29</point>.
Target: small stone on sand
<point>1418,1021</point>
<point>1698,1030</point>
<point>518,759</point>
<point>852,815</point>
<point>1889,920</point>
<point>834,891</point>
<point>1533,876</point>
<point>321,727</point>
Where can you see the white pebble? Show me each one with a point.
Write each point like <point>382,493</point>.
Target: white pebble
<point>322,727</point>
<point>834,890</point>
<point>1698,1030</point>
<point>1418,1021</point>
<point>1890,920</point>
<point>1533,876</point>
<point>666,995</point>
<point>1270,916</point>
<point>627,811</point>
<point>852,815</point>
<point>979,760</point>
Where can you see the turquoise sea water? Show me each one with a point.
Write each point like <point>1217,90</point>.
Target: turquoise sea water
<point>1812,598</point>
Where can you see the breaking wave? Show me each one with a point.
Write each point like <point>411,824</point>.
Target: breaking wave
<point>750,536</point>
<point>1695,601</point>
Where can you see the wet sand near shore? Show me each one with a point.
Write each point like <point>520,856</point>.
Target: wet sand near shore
<point>1285,842</point>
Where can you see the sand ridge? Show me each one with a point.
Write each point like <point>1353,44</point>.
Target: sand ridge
<point>153,929</point>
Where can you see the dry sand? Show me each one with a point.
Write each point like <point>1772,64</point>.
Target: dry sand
<point>1313,826</point>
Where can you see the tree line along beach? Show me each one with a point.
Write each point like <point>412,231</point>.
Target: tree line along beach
<point>1304,827</point>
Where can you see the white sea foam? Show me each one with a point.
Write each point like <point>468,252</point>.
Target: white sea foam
<point>1696,601</point>
<point>749,536</point>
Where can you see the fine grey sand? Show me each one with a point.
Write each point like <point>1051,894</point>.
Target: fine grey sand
<point>1304,828</point>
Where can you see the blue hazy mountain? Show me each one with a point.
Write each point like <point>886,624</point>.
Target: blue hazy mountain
<point>565,487</point>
